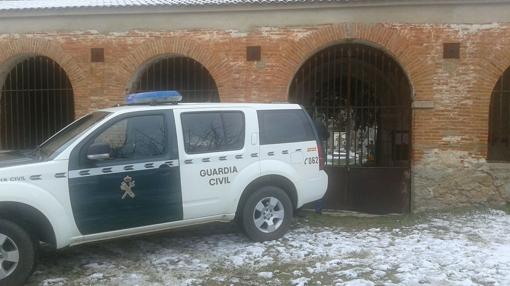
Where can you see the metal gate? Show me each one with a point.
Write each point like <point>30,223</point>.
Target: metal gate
<point>363,97</point>
<point>184,74</point>
<point>499,123</point>
<point>36,102</point>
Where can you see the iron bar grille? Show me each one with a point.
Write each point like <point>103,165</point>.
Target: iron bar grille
<point>499,126</point>
<point>36,102</point>
<point>183,74</point>
<point>362,96</point>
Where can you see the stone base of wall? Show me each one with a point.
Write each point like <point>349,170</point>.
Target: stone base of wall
<point>452,179</point>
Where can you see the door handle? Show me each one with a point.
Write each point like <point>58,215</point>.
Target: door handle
<point>164,166</point>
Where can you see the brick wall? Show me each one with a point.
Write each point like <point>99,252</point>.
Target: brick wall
<point>459,89</point>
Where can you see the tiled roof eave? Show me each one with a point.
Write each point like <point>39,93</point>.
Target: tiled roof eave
<point>70,6</point>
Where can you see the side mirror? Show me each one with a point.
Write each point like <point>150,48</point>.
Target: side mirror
<point>99,152</point>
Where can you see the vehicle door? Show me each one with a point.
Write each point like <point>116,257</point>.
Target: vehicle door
<point>215,147</point>
<point>126,174</point>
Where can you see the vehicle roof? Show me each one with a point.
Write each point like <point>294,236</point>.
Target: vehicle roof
<point>205,106</point>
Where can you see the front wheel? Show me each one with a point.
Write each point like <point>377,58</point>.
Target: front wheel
<point>267,214</point>
<point>17,254</point>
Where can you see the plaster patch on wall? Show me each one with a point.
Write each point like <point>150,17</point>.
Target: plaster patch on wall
<point>299,34</point>
<point>452,139</point>
<point>272,32</point>
<point>236,33</point>
<point>10,36</point>
<point>466,102</point>
<point>85,32</point>
<point>467,29</point>
<point>118,34</point>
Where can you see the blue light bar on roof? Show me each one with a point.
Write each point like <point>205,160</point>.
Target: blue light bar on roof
<point>154,97</point>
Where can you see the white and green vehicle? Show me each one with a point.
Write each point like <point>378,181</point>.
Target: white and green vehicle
<point>150,166</point>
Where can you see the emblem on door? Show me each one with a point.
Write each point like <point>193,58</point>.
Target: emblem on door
<point>127,186</point>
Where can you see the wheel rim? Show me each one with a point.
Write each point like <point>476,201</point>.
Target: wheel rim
<point>9,256</point>
<point>268,214</point>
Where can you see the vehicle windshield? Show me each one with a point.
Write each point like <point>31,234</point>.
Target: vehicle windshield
<point>67,135</point>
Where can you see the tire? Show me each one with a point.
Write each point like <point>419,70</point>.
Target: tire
<point>14,239</point>
<point>266,214</point>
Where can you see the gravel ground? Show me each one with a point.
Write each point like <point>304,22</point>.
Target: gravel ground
<point>469,247</point>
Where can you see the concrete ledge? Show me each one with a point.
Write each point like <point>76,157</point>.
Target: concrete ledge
<point>423,104</point>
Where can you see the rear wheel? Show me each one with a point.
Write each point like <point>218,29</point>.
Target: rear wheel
<point>266,214</point>
<point>17,254</point>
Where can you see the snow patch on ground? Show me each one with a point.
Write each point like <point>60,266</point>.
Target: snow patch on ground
<point>301,281</point>
<point>445,249</point>
<point>266,275</point>
<point>54,281</point>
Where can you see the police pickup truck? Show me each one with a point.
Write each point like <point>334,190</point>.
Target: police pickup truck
<point>155,164</point>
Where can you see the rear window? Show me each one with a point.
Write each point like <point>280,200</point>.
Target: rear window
<point>216,131</point>
<point>284,126</point>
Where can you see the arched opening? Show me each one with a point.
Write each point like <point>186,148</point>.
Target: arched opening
<point>36,101</point>
<point>363,97</point>
<point>183,74</point>
<point>499,123</point>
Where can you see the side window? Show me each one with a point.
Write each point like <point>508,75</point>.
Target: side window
<point>135,138</point>
<point>284,126</point>
<point>206,132</point>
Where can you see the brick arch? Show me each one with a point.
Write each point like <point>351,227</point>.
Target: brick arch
<point>17,50</point>
<point>378,35</point>
<point>492,63</point>
<point>148,51</point>
<point>491,66</point>
<point>386,38</point>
